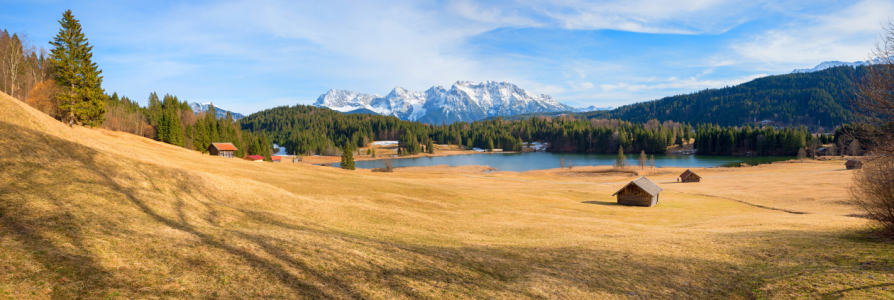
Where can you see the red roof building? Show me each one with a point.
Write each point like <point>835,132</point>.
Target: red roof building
<point>222,149</point>
<point>254,158</point>
<point>276,159</point>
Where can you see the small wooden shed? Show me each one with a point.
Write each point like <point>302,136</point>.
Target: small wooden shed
<point>853,164</point>
<point>640,192</point>
<point>276,159</point>
<point>222,149</point>
<point>689,176</point>
<point>254,158</point>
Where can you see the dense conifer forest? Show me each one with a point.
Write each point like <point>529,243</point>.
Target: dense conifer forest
<point>172,121</point>
<point>817,99</point>
<point>309,130</point>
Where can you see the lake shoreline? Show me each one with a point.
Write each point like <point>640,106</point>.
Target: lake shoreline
<point>528,161</point>
<point>337,159</point>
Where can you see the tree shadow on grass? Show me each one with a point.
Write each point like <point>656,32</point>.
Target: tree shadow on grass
<point>606,203</point>
<point>53,165</point>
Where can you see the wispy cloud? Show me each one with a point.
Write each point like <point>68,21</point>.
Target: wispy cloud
<point>251,55</point>
<point>847,35</point>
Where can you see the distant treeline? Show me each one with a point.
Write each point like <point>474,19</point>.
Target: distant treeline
<point>713,139</point>
<point>816,99</point>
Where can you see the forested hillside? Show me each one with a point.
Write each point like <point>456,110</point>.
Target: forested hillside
<point>817,99</point>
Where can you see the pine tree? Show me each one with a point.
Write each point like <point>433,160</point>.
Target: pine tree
<point>82,99</point>
<point>621,160</point>
<point>347,158</point>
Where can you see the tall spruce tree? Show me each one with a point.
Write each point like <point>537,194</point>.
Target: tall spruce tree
<point>82,99</point>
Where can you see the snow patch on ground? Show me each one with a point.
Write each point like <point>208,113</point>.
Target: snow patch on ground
<point>539,146</point>
<point>477,149</point>
<point>383,143</point>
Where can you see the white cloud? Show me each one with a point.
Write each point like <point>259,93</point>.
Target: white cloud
<point>844,35</point>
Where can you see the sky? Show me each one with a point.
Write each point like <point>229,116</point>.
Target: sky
<point>248,56</point>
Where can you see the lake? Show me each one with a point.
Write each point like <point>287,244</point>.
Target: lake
<point>520,162</point>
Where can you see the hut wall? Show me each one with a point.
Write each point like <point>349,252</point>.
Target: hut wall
<point>213,151</point>
<point>637,200</point>
<point>635,196</point>
<point>692,178</point>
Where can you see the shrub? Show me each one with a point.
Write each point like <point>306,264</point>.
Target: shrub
<point>389,167</point>
<point>873,191</point>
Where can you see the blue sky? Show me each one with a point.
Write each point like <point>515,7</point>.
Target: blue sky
<point>251,55</point>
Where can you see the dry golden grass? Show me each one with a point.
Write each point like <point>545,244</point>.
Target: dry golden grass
<point>87,213</point>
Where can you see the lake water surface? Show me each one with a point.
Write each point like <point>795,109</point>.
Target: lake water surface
<point>520,162</point>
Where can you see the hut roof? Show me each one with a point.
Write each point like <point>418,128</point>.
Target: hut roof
<point>686,174</point>
<point>851,162</point>
<point>224,146</point>
<point>645,184</point>
<point>275,158</point>
<point>254,157</point>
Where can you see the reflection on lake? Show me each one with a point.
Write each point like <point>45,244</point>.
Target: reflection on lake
<point>520,162</point>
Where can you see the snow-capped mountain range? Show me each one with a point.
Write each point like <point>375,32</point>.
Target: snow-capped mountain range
<point>221,113</point>
<point>831,64</point>
<point>591,108</point>
<point>464,101</point>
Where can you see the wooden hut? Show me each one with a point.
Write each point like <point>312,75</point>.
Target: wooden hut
<point>222,149</point>
<point>640,192</point>
<point>254,158</point>
<point>689,176</point>
<point>822,152</point>
<point>853,164</point>
<point>275,159</point>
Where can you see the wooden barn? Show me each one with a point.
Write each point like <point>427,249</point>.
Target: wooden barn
<point>640,192</point>
<point>689,176</point>
<point>853,164</point>
<point>254,158</point>
<point>276,159</point>
<point>222,149</point>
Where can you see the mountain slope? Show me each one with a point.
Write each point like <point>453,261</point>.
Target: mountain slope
<point>815,99</point>
<point>464,101</point>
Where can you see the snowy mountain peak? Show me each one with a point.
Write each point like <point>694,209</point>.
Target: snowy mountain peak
<point>221,113</point>
<point>831,64</point>
<point>464,101</point>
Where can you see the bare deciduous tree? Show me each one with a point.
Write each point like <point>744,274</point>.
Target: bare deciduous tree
<point>875,100</point>
<point>873,188</point>
<point>854,148</point>
<point>642,160</point>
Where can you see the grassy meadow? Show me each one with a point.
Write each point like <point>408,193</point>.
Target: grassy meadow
<point>91,213</point>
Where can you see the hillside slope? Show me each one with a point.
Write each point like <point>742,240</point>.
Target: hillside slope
<point>814,99</point>
<point>89,213</point>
